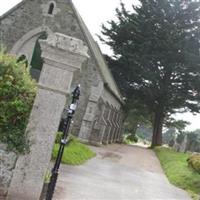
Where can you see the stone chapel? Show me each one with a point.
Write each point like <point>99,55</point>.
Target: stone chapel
<point>98,119</point>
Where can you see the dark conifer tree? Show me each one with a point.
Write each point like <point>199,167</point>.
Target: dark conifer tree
<point>157,60</point>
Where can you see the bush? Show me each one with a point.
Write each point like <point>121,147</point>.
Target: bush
<point>17,91</point>
<point>194,162</point>
<point>132,138</point>
<point>126,141</point>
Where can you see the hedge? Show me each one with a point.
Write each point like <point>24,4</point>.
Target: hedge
<point>17,92</point>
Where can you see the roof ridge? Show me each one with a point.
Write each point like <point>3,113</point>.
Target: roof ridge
<point>89,40</point>
<point>108,68</point>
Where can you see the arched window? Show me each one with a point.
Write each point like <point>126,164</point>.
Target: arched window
<point>23,59</point>
<point>51,8</point>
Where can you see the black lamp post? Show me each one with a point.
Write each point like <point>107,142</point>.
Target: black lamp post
<point>65,129</point>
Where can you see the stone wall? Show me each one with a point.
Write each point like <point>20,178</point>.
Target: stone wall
<point>7,164</point>
<point>102,122</point>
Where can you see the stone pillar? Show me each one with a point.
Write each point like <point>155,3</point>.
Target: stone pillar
<point>99,125</point>
<point>112,118</point>
<point>120,137</point>
<point>117,127</point>
<point>90,114</point>
<point>103,123</point>
<point>108,126</point>
<point>62,56</point>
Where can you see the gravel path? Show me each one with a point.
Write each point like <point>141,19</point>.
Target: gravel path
<point>118,172</point>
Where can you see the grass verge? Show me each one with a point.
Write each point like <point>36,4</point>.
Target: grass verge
<point>176,168</point>
<point>75,153</point>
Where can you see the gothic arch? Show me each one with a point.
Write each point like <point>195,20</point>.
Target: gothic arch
<point>27,46</point>
<point>33,34</point>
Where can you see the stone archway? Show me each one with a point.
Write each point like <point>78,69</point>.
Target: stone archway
<point>28,45</point>
<point>18,46</point>
<point>63,56</point>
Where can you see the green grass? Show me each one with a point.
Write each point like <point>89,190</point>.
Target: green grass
<point>75,153</point>
<point>176,168</point>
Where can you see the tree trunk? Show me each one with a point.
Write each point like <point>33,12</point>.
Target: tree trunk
<point>157,128</point>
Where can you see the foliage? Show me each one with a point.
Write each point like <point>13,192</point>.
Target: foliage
<point>17,92</point>
<point>156,60</point>
<point>175,167</point>
<point>132,138</point>
<point>194,162</point>
<point>169,136</point>
<point>144,132</point>
<point>193,141</point>
<point>175,130</point>
<point>126,141</point>
<point>135,117</point>
<point>180,137</point>
<point>75,153</point>
<point>179,125</point>
<point>58,137</point>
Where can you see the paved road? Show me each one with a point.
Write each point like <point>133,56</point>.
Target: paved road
<point>119,172</point>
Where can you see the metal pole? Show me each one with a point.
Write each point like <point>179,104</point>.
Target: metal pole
<point>63,142</point>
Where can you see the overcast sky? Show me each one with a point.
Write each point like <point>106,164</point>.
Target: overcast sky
<point>94,13</point>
